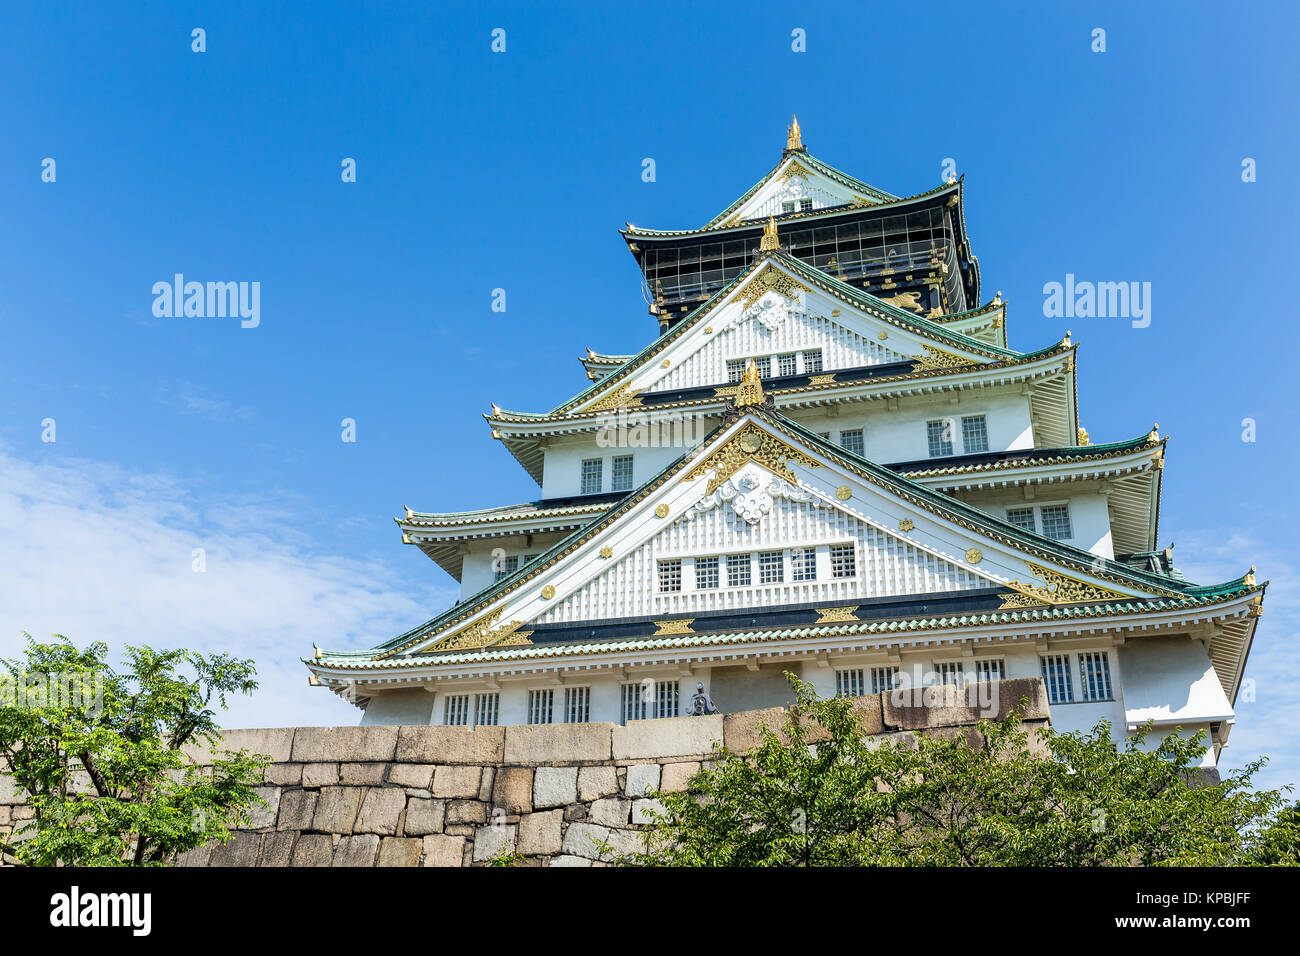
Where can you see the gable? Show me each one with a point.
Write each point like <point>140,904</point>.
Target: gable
<point>795,181</point>
<point>907,541</point>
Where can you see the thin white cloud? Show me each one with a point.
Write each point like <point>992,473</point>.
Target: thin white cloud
<point>189,399</point>
<point>100,552</point>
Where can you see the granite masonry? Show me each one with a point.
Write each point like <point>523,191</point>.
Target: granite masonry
<point>552,794</point>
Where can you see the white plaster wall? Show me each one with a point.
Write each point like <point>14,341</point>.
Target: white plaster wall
<point>1089,513</point>
<point>478,570</point>
<point>404,706</point>
<point>562,472</point>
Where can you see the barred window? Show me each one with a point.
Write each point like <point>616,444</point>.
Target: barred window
<point>939,435</point>
<point>803,564</point>
<point>487,708</point>
<point>634,700</point>
<point>577,705</point>
<point>770,567</point>
<point>951,672</point>
<point>990,669</point>
<point>670,575</point>
<point>844,561</point>
<point>812,361</point>
<point>738,570</point>
<point>1056,675</point>
<point>786,364</point>
<point>1022,518</point>
<point>883,679</point>
<point>1094,675</point>
<point>974,433</point>
<point>764,366</point>
<point>787,205</point>
<point>591,477</point>
<point>851,440</point>
<point>735,370</point>
<point>805,205</point>
<point>850,682</point>
<point>667,697</point>
<point>622,473</point>
<point>457,710</point>
<point>541,703</point>
<point>706,572</point>
<point>1056,522</point>
<point>504,566</point>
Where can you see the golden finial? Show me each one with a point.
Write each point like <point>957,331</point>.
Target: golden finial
<point>1154,434</point>
<point>793,138</point>
<point>409,512</point>
<point>769,242</point>
<point>496,410</point>
<point>750,391</point>
<point>1066,341</point>
<point>1083,436</point>
<point>1249,579</point>
<point>319,652</point>
<point>997,299</point>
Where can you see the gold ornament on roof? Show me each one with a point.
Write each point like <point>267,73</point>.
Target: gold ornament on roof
<point>844,492</point>
<point>679,626</point>
<point>623,397</point>
<point>793,136</point>
<point>974,556</point>
<point>934,358</point>
<point>1249,579</point>
<point>1083,438</point>
<point>479,634</point>
<point>1057,588</point>
<point>769,242</point>
<point>750,391</point>
<point>751,443</point>
<point>548,592</point>
<point>836,615</point>
<point>906,525</point>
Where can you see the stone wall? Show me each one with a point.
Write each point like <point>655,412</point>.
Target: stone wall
<point>454,796</point>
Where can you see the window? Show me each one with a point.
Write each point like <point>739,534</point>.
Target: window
<point>883,679</point>
<point>486,709</point>
<point>1056,675</point>
<point>540,704</point>
<point>1056,522</point>
<point>764,366</point>
<point>851,440</point>
<point>770,568</point>
<point>670,576</point>
<point>939,434</point>
<point>591,468</point>
<point>738,570</point>
<point>577,705</point>
<point>974,433</point>
<point>844,561</point>
<point>812,362</point>
<point>951,673</point>
<point>787,206</point>
<point>706,572</point>
<point>803,564</point>
<point>504,566</point>
<point>850,683</point>
<point>735,370</point>
<point>990,670</point>
<point>786,364</point>
<point>457,710</point>
<point>805,205</point>
<point>1022,518</point>
<point>1094,675</point>
<point>667,693</point>
<point>634,701</point>
<point>622,473</point>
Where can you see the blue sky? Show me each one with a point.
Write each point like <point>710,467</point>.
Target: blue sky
<point>478,171</point>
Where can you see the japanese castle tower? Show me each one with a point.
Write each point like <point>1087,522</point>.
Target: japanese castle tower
<point>829,461</point>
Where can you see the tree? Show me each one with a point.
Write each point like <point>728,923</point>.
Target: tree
<point>819,793</point>
<point>100,754</point>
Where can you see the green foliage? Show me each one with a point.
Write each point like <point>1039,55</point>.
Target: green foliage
<point>507,858</point>
<point>999,794</point>
<point>104,765</point>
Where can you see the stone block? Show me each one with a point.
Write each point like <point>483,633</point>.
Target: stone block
<point>642,778</point>
<point>284,774</point>
<point>198,856</point>
<point>465,811</point>
<point>584,839</point>
<point>297,809</point>
<point>381,811</point>
<point>275,742</point>
<point>740,730</point>
<point>336,809</point>
<point>344,744</point>
<point>456,782</point>
<point>557,743</point>
<point>261,817</point>
<point>944,705</point>
<point>397,851</point>
<point>317,775</point>
<point>359,850</point>
<point>569,861</point>
<point>277,848</point>
<point>424,816</point>
<point>596,782</point>
<point>641,808</point>
<point>313,849</point>
<point>416,775</point>
<point>512,790</point>
<point>667,737</point>
<point>485,784</point>
<point>675,776</point>
<point>443,850</point>
<point>554,786</point>
<point>10,792</point>
<point>610,812</point>
<point>625,843</point>
<point>491,842</point>
<point>240,850</point>
<point>477,745</point>
<point>539,833</point>
<point>362,774</point>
